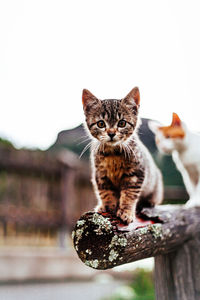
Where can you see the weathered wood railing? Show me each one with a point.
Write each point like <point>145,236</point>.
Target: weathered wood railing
<point>41,189</point>
<point>173,239</point>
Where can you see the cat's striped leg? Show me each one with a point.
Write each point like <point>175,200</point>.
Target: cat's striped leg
<point>107,195</point>
<point>127,205</point>
<point>129,196</point>
<point>108,201</point>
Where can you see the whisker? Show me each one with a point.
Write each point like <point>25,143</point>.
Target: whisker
<point>85,149</point>
<point>103,140</point>
<point>88,139</point>
<point>128,150</point>
<point>81,137</point>
<point>96,146</point>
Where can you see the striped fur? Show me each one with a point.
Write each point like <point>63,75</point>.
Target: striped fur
<point>125,178</point>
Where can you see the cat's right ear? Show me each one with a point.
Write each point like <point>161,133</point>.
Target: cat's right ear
<point>89,100</point>
<point>154,126</point>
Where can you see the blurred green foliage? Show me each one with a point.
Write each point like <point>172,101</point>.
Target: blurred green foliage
<point>171,176</point>
<point>6,143</point>
<point>143,285</point>
<point>142,288</point>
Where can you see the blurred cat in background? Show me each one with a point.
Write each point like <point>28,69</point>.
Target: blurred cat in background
<point>125,177</point>
<point>184,146</point>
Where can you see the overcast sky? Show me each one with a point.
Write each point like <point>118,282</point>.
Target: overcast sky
<point>51,50</point>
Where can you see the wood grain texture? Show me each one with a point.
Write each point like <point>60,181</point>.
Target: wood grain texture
<point>101,245</point>
<point>177,274</point>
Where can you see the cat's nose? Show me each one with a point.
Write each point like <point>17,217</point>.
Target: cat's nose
<point>111,135</point>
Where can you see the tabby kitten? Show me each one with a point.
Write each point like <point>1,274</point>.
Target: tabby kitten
<point>125,177</point>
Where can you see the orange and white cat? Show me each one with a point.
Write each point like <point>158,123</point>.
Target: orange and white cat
<point>184,146</point>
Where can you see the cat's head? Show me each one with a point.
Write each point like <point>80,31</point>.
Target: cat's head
<point>168,138</point>
<point>111,121</point>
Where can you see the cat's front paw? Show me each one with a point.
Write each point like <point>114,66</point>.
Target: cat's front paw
<point>192,202</point>
<point>125,215</point>
<point>101,208</point>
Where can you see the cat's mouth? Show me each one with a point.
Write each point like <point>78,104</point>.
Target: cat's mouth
<point>112,142</point>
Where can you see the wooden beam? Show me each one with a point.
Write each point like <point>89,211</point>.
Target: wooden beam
<point>101,245</point>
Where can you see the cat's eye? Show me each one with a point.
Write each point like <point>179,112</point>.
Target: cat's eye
<point>101,124</point>
<point>121,123</point>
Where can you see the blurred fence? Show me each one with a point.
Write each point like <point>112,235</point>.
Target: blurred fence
<point>45,190</point>
<point>42,190</point>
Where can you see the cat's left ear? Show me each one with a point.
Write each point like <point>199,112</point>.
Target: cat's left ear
<point>133,97</point>
<point>176,121</point>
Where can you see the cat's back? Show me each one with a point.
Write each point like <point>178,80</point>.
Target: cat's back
<point>191,153</point>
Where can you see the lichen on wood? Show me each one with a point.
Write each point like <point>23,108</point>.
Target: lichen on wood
<point>101,245</point>
<point>96,242</point>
